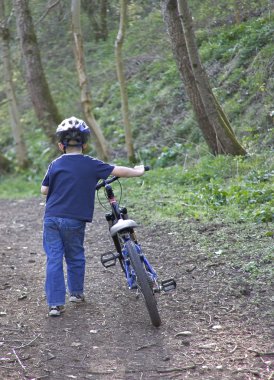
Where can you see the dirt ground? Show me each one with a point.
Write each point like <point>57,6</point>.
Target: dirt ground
<point>216,325</point>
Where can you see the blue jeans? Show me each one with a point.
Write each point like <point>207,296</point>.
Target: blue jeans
<point>63,238</point>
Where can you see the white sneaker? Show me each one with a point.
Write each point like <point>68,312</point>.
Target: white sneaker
<point>55,311</point>
<point>77,298</point>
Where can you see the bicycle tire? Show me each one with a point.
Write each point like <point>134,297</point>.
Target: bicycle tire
<point>144,283</point>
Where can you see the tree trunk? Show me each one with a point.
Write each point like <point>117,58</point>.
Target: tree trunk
<point>122,81</point>
<point>178,44</point>
<point>226,140</point>
<point>100,142</point>
<point>44,106</point>
<point>16,127</point>
<point>103,18</point>
<point>98,12</point>
<point>5,164</point>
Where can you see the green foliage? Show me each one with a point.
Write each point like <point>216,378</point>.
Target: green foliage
<point>186,181</point>
<point>243,40</point>
<point>232,189</point>
<point>19,186</point>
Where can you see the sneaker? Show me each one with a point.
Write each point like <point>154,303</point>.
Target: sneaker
<point>55,311</point>
<point>77,298</point>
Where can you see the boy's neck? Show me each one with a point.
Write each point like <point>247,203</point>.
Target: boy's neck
<point>70,150</point>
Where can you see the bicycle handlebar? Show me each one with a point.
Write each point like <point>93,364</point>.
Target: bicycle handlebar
<point>112,179</point>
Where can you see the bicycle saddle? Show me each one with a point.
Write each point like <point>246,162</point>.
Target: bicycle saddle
<point>122,225</point>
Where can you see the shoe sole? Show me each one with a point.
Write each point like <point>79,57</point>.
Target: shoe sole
<point>56,313</point>
<point>76,300</point>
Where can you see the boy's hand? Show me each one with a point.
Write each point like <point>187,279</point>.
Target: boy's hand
<point>140,169</point>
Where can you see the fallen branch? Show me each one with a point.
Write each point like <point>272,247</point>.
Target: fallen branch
<point>258,353</point>
<point>18,359</point>
<point>27,344</point>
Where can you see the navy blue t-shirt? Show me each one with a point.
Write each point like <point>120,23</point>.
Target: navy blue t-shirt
<point>72,179</point>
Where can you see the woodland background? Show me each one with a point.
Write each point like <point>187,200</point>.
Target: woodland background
<point>235,42</point>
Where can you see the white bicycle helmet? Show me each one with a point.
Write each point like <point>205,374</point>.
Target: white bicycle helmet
<point>73,129</point>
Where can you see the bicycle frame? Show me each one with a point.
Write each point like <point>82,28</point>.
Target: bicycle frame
<point>121,230</point>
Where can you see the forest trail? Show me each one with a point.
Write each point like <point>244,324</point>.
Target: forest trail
<point>215,325</point>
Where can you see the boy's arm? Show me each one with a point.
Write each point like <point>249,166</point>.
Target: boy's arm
<point>124,171</point>
<point>44,190</point>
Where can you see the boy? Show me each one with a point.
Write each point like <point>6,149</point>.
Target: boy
<point>70,188</point>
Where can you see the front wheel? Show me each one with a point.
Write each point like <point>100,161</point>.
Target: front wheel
<point>143,282</point>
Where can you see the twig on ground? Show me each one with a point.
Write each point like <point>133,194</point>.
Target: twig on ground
<point>210,318</point>
<point>191,269</point>
<point>258,353</point>
<point>209,265</point>
<point>146,346</point>
<point>214,273</point>
<point>227,309</point>
<point>27,344</point>
<point>18,359</point>
<point>84,357</point>
<point>234,349</point>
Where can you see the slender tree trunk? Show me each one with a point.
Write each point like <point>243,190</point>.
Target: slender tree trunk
<point>178,44</point>
<point>16,127</point>
<point>122,81</point>
<point>103,17</point>
<point>44,106</point>
<point>237,9</point>
<point>5,164</point>
<point>100,142</point>
<point>226,140</point>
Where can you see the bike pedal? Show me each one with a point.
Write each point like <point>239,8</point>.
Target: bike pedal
<point>108,259</point>
<point>168,285</point>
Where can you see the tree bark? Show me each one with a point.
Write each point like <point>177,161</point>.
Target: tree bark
<point>5,164</point>
<point>100,142</point>
<point>226,139</point>
<point>179,48</point>
<point>122,81</point>
<point>98,13</point>
<point>44,106</point>
<point>16,127</point>
<point>103,19</point>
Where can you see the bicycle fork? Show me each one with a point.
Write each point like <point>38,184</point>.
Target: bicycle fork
<point>109,259</point>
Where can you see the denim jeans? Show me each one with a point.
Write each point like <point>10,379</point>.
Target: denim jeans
<point>63,238</point>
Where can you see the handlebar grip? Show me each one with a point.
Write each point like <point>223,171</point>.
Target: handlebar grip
<point>147,168</point>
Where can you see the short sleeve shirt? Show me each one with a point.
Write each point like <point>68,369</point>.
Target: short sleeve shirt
<point>72,181</point>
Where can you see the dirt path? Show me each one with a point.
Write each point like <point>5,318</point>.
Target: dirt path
<point>215,326</point>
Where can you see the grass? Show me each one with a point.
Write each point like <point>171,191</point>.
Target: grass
<point>18,186</point>
<point>225,188</point>
<point>230,188</point>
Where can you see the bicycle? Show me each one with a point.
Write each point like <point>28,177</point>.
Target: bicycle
<point>139,273</point>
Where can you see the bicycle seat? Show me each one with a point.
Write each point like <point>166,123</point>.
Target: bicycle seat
<point>122,225</point>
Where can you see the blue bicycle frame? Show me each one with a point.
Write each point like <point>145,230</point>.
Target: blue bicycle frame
<point>129,271</point>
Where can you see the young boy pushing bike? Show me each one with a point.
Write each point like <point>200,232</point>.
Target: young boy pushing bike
<point>69,185</point>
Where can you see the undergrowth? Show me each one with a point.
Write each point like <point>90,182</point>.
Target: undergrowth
<point>238,189</point>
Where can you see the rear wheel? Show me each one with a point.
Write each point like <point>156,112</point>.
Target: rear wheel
<point>143,282</point>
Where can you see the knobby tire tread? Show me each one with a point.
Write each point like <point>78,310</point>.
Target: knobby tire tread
<point>143,281</point>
